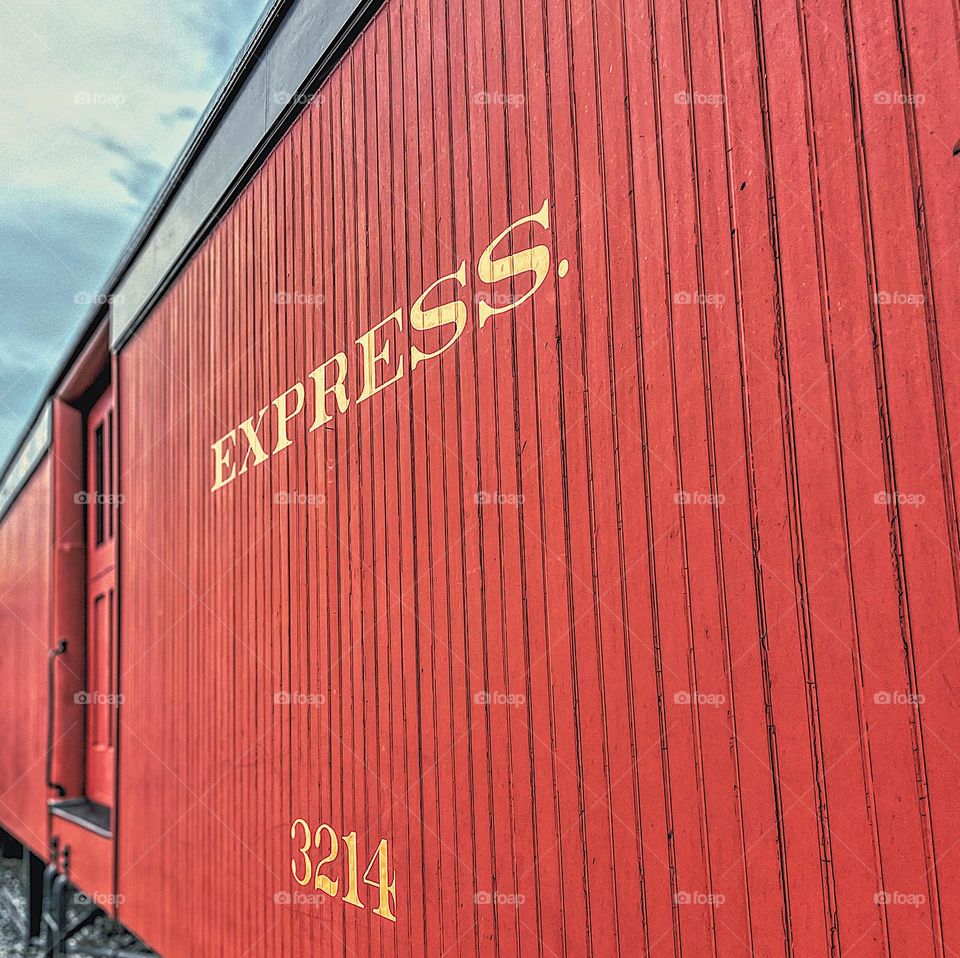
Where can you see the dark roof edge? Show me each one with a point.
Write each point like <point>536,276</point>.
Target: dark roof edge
<point>344,19</point>
<point>26,457</point>
<point>293,49</point>
<point>224,95</point>
<point>257,40</point>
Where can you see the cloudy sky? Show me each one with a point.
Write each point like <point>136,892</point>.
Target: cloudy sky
<point>96,100</point>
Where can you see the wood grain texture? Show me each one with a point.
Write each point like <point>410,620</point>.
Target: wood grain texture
<point>688,515</point>
<point>26,534</point>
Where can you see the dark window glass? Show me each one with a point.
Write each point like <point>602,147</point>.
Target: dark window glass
<point>98,492</point>
<point>109,476</point>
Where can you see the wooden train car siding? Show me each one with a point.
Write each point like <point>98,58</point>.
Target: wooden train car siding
<point>628,622</point>
<point>26,534</point>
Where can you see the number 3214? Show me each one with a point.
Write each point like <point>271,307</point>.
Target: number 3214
<point>326,834</point>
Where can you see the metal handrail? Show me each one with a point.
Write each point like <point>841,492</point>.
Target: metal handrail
<point>51,659</point>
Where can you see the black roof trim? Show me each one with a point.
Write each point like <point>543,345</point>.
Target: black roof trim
<point>346,19</point>
<point>225,94</point>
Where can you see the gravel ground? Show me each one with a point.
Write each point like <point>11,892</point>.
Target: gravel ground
<point>10,883</point>
<point>102,933</point>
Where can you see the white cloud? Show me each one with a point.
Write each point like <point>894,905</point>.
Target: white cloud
<point>74,73</point>
<point>96,101</point>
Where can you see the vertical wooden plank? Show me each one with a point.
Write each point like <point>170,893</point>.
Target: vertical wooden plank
<point>727,209</point>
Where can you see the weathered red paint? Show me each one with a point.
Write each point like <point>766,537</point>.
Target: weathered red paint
<point>91,860</point>
<point>101,549</point>
<point>68,600</point>
<point>25,536</point>
<point>693,583</point>
<point>631,620</point>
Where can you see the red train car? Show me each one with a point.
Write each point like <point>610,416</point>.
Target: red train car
<point>25,537</point>
<point>506,504</point>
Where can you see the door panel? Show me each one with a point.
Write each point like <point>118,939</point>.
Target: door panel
<point>101,701</point>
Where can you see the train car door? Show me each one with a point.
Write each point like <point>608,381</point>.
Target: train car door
<point>101,697</point>
<point>83,744</point>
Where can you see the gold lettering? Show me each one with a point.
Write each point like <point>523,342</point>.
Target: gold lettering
<point>534,260</point>
<point>321,390</point>
<point>221,458</point>
<point>283,416</point>
<point>367,342</point>
<point>253,441</point>
<point>446,321</point>
<point>436,316</point>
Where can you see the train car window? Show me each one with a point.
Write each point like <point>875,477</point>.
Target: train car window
<point>99,679</point>
<point>98,492</point>
<point>111,675</point>
<point>111,505</point>
<point>101,625</point>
